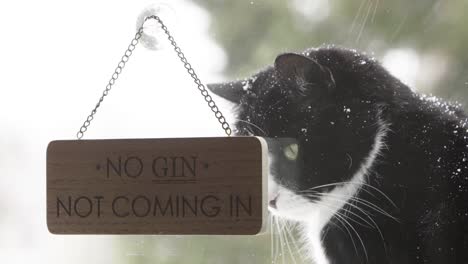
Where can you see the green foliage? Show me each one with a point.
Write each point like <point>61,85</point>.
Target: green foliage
<point>254,32</point>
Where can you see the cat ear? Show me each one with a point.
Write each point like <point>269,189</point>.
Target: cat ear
<point>231,91</point>
<point>304,73</point>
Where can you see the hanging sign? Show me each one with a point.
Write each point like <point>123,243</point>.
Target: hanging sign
<point>157,186</point>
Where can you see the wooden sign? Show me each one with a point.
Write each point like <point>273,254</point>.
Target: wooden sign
<point>157,186</point>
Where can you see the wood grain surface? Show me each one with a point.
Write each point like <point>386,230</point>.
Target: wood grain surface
<point>157,186</point>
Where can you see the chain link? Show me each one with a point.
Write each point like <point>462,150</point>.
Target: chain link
<point>118,70</point>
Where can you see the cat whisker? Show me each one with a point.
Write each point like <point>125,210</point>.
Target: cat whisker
<point>371,206</point>
<point>380,234</point>
<point>337,208</point>
<point>273,105</point>
<point>364,202</point>
<point>345,221</point>
<point>358,13</point>
<point>274,238</point>
<point>373,222</point>
<point>347,230</point>
<point>289,232</point>
<point>368,204</point>
<point>359,183</point>
<point>350,160</point>
<point>368,224</point>
<point>344,218</point>
<point>357,234</point>
<point>375,10</point>
<point>278,241</point>
<point>247,129</point>
<point>337,184</point>
<point>251,124</point>
<point>335,225</point>
<point>287,241</point>
<point>280,237</point>
<point>274,248</point>
<point>378,230</point>
<point>272,244</point>
<point>280,233</point>
<point>375,208</point>
<point>365,21</point>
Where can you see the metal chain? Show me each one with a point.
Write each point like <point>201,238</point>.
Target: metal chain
<point>180,54</point>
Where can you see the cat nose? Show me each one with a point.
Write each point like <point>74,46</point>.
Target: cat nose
<point>272,203</point>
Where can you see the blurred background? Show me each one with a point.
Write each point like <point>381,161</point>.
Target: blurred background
<point>57,56</point>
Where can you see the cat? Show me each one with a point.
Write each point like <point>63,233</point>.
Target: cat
<point>382,170</point>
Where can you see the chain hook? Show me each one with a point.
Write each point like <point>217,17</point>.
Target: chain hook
<point>118,70</point>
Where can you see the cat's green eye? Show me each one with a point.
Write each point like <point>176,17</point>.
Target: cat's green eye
<point>291,151</point>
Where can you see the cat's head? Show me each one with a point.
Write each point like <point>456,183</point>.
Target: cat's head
<point>328,100</point>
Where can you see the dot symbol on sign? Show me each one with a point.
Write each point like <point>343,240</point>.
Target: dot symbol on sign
<point>98,167</point>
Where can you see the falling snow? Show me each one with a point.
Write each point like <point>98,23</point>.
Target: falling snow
<point>245,85</point>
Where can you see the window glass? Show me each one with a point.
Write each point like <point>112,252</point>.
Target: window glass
<point>57,57</point>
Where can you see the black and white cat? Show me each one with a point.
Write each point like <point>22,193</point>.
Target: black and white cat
<point>383,171</point>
